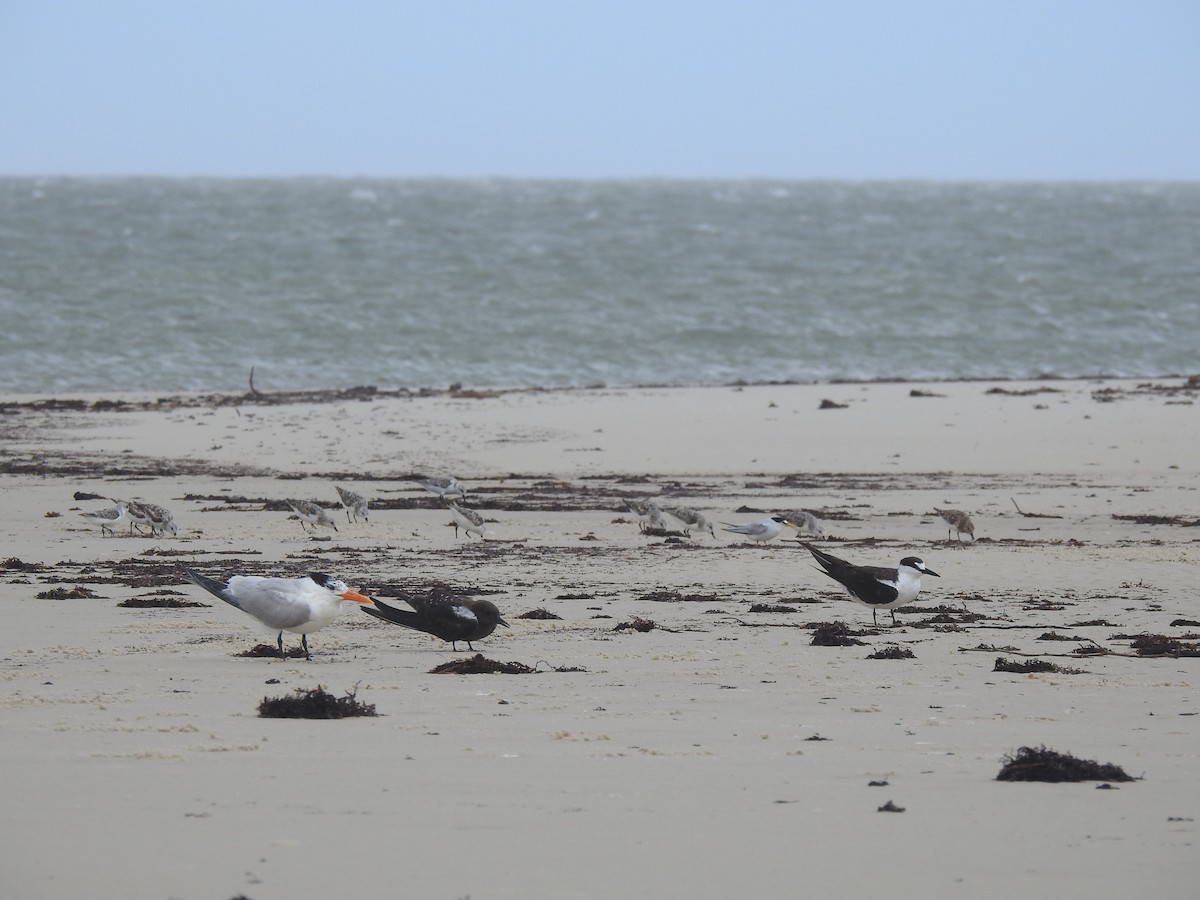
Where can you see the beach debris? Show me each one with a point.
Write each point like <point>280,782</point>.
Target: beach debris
<point>79,592</point>
<point>835,634</point>
<point>271,651</point>
<point>1041,764</point>
<point>890,807</point>
<point>1161,645</point>
<point>1031,666</point>
<point>162,600</point>
<point>1033,515</point>
<point>771,608</point>
<point>481,665</point>
<point>13,564</point>
<point>1159,520</point>
<point>314,703</point>
<point>830,404</point>
<point>894,651</point>
<point>539,613</point>
<point>636,624</point>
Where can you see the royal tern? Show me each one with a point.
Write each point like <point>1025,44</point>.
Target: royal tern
<point>762,530</point>
<point>875,586</point>
<point>299,605</point>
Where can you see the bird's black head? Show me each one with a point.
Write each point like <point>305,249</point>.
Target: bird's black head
<point>321,579</point>
<point>914,562</point>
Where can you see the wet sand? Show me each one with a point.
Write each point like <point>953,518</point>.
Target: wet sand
<point>718,753</point>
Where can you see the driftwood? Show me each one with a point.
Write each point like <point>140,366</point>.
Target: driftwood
<point>1033,515</point>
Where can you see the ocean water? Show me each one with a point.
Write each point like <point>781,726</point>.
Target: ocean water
<point>184,284</point>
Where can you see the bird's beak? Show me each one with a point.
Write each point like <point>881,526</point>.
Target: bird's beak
<point>931,572</point>
<point>502,622</point>
<point>791,525</point>
<point>357,598</point>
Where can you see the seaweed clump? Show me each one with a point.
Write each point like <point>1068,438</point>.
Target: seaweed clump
<point>1032,665</point>
<point>1040,764</point>
<point>895,651</point>
<point>1161,645</point>
<point>481,665</point>
<point>270,651</point>
<point>834,634</point>
<point>79,592</point>
<point>314,704</point>
<point>637,623</point>
<point>540,613</point>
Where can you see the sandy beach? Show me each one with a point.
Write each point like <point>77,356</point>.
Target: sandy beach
<point>717,754</point>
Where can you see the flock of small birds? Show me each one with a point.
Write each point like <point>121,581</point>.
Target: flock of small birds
<point>309,603</point>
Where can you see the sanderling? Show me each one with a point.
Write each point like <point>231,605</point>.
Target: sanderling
<point>108,517</point>
<point>137,515</point>
<point>648,513</point>
<point>875,586</point>
<point>691,518</point>
<point>299,605</point>
<point>352,503</point>
<point>160,519</point>
<point>762,530</point>
<point>807,523</point>
<point>445,486</point>
<point>958,520</point>
<point>467,519</point>
<point>312,513</point>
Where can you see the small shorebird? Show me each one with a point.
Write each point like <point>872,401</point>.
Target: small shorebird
<point>312,513</point>
<point>160,519</point>
<point>807,523</point>
<point>958,520</point>
<point>444,615</point>
<point>691,518</point>
<point>468,519</point>
<point>353,503</point>
<point>761,531</point>
<point>648,512</point>
<point>299,605</point>
<point>875,586</point>
<point>137,514</point>
<point>109,517</point>
<point>445,486</point>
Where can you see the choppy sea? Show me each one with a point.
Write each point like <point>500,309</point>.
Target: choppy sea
<point>154,285</point>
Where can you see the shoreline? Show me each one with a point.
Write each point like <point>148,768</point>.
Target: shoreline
<point>690,760</point>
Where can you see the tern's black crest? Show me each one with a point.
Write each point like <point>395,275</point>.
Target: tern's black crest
<point>320,578</point>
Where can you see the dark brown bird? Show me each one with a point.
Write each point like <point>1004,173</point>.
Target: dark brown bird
<point>444,615</point>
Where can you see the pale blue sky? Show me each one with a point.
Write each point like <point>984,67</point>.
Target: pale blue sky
<point>940,89</point>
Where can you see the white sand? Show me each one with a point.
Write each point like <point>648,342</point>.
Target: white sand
<point>677,765</point>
